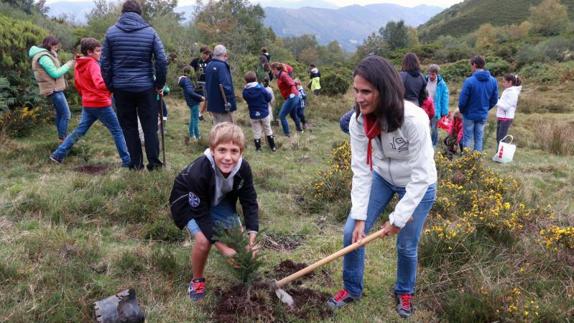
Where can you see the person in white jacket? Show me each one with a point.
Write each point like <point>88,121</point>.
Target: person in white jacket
<point>391,153</point>
<point>506,105</point>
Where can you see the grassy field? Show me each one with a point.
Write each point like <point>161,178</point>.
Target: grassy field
<point>75,233</point>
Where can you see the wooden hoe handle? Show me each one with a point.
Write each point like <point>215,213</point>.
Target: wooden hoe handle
<point>328,259</point>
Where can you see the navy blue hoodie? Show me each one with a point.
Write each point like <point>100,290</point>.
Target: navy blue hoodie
<point>191,96</point>
<point>132,53</point>
<point>257,99</point>
<point>479,94</point>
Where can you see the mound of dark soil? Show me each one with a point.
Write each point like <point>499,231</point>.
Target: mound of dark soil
<point>288,267</point>
<point>95,169</point>
<point>258,303</point>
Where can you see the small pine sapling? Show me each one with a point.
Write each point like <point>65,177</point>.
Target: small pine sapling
<point>245,263</point>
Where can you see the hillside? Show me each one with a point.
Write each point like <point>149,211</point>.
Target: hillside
<point>467,16</point>
<point>358,21</point>
<point>324,23</point>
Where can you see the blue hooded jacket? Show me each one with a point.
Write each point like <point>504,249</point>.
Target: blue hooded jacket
<point>127,53</point>
<point>440,99</point>
<point>191,96</point>
<point>218,72</point>
<point>479,94</point>
<point>257,99</point>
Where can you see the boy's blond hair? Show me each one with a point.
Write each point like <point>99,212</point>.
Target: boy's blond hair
<point>226,132</point>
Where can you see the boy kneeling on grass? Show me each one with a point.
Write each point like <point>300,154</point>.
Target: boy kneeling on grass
<point>204,196</point>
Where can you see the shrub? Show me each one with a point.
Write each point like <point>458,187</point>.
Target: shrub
<point>456,71</point>
<point>497,66</point>
<point>555,49</point>
<point>335,81</point>
<point>18,36</point>
<point>19,122</point>
<point>333,184</point>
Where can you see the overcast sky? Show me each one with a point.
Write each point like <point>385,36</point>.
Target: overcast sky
<point>409,3</point>
<point>340,3</point>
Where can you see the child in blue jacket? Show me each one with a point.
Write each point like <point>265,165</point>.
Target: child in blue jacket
<point>258,99</point>
<point>192,98</point>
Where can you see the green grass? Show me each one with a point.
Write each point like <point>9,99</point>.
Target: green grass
<point>68,238</point>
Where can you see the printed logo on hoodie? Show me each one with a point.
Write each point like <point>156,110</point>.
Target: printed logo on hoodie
<point>400,144</point>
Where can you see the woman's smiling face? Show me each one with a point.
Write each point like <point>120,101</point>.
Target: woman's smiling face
<point>366,95</point>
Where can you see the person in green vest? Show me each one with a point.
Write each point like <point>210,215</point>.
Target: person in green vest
<point>315,79</point>
<point>49,74</point>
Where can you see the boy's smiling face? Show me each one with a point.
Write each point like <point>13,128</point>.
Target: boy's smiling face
<point>226,155</point>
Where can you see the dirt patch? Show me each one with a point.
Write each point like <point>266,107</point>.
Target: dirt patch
<point>258,303</point>
<point>281,242</point>
<point>288,267</point>
<point>96,169</point>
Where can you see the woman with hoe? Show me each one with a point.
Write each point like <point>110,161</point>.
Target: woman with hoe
<point>391,153</point>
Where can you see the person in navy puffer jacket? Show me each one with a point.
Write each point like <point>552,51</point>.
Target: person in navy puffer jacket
<point>258,99</point>
<point>219,87</point>
<point>479,94</point>
<point>132,52</point>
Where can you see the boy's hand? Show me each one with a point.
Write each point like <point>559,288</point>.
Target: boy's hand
<point>253,246</point>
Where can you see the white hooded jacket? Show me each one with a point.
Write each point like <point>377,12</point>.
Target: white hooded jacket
<point>506,105</point>
<point>404,158</point>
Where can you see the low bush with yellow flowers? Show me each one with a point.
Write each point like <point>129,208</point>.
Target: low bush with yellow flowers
<point>19,122</point>
<point>486,254</point>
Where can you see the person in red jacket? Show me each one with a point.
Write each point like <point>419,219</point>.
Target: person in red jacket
<point>454,138</point>
<point>428,105</point>
<point>290,93</point>
<point>96,102</point>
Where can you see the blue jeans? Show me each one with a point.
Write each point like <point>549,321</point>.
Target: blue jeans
<point>473,130</point>
<point>194,121</point>
<point>407,239</point>
<point>89,116</point>
<point>290,107</point>
<point>62,113</point>
<point>223,216</point>
<point>434,131</point>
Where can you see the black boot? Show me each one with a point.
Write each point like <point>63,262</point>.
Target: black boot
<point>257,144</point>
<point>271,142</point>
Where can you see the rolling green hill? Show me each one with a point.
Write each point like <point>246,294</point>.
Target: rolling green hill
<point>467,16</point>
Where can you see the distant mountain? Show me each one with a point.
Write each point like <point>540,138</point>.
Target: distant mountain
<point>295,4</point>
<point>348,25</point>
<point>75,11</point>
<point>467,16</point>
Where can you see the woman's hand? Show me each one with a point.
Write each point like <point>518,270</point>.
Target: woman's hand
<point>389,229</point>
<point>359,231</point>
<point>252,246</point>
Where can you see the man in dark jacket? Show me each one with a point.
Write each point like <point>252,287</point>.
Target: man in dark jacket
<point>479,94</point>
<point>132,52</point>
<point>199,64</point>
<point>219,87</point>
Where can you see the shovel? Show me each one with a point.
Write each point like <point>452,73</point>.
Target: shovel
<point>278,285</point>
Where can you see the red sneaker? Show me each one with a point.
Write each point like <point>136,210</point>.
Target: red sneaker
<point>196,289</point>
<point>404,305</point>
